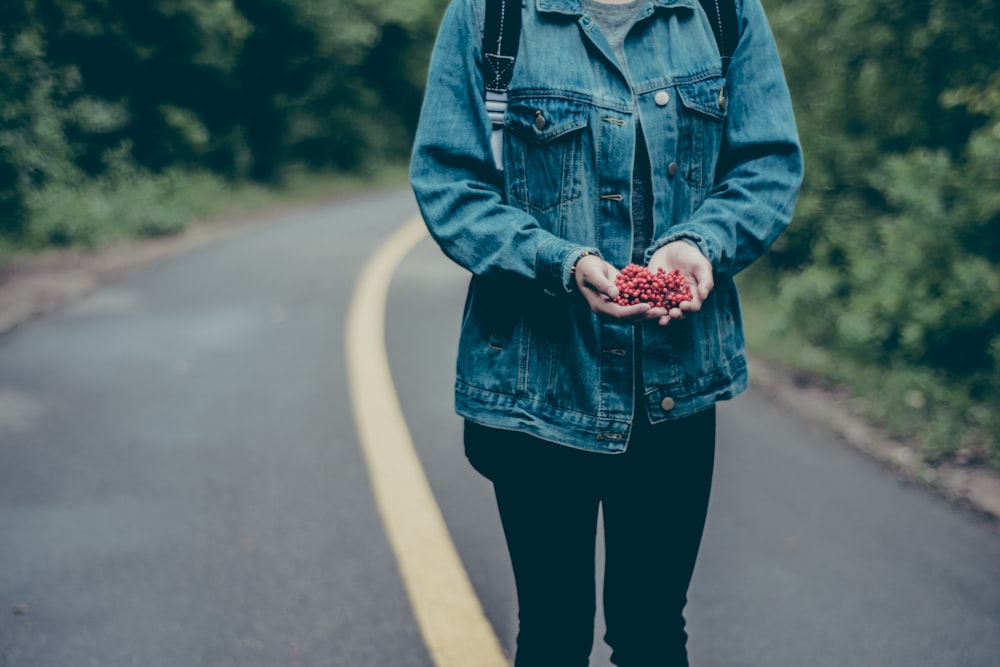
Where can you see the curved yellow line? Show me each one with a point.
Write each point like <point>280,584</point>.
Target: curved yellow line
<point>448,612</point>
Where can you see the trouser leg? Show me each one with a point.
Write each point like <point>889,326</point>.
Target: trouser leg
<point>549,516</point>
<point>654,515</point>
<point>551,540</point>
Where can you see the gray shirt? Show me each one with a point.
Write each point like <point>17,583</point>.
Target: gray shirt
<point>615,20</point>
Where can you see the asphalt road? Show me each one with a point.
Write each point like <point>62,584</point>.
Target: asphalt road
<point>181,484</point>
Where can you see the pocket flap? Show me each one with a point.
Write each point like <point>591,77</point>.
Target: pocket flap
<point>704,97</point>
<point>545,119</point>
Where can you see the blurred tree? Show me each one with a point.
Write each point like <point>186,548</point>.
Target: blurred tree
<point>333,84</point>
<point>894,256</point>
<point>97,90</point>
<point>151,71</point>
<point>33,146</point>
<point>243,86</point>
<point>889,97</point>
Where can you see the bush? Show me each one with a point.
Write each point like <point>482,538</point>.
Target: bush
<point>892,265</point>
<point>99,212</point>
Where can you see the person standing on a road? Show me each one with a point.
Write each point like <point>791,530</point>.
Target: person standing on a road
<point>624,143</point>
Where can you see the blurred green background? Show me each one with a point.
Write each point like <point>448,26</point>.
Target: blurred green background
<point>121,118</point>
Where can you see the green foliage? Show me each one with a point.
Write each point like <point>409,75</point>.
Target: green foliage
<point>334,84</point>
<point>893,261</point>
<point>126,201</point>
<point>104,102</point>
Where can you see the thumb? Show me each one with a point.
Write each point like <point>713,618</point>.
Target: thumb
<point>596,274</point>
<point>704,280</point>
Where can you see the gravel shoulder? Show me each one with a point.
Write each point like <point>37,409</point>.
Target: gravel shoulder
<point>31,287</point>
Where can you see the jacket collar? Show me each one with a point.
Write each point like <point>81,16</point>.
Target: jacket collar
<point>575,7</point>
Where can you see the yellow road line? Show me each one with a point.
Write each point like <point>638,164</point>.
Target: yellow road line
<point>447,610</point>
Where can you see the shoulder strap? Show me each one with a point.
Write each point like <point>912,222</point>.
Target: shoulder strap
<point>501,35</point>
<point>722,16</point>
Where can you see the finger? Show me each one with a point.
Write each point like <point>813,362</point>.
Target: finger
<point>656,313</point>
<point>691,306</point>
<point>612,310</point>
<point>599,282</point>
<point>659,311</point>
<point>594,274</point>
<point>637,312</point>
<point>704,281</point>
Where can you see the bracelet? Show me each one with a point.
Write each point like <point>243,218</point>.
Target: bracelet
<point>585,253</point>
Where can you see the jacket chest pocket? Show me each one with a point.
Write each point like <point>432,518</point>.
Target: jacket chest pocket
<point>543,151</point>
<point>702,115</point>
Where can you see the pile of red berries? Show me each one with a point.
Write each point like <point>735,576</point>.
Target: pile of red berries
<point>637,284</point>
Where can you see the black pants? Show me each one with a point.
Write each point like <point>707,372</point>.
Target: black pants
<point>654,499</point>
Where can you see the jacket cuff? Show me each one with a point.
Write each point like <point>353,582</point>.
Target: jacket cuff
<point>566,269</point>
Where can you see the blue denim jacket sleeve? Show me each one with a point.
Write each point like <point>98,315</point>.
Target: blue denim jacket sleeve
<point>459,190</point>
<point>760,164</point>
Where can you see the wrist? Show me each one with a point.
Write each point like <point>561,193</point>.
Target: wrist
<point>585,253</point>
<point>570,264</point>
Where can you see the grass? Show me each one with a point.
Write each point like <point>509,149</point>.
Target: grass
<point>143,206</point>
<point>212,200</point>
<point>915,405</point>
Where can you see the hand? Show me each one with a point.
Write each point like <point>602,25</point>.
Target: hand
<point>697,271</point>
<point>595,279</point>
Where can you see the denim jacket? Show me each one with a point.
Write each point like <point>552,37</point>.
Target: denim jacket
<point>726,169</point>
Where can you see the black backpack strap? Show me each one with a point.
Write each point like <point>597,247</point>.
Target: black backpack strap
<point>722,16</point>
<point>501,35</point>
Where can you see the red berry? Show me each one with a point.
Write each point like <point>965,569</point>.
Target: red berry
<point>637,284</point>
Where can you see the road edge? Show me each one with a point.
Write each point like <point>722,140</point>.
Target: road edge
<point>34,286</point>
<point>975,488</point>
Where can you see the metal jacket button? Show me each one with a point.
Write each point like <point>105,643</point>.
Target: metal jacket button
<point>672,168</point>
<point>667,404</point>
<point>539,120</point>
<point>662,98</point>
